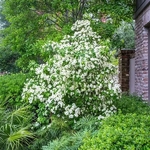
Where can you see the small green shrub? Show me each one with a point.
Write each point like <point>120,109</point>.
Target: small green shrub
<point>67,142</point>
<point>72,139</point>
<point>55,130</point>
<point>121,132</point>
<point>11,88</point>
<point>89,123</point>
<point>132,104</point>
<point>123,36</point>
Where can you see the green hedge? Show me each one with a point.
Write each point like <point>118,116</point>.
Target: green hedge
<point>121,132</point>
<point>11,88</point>
<point>132,104</point>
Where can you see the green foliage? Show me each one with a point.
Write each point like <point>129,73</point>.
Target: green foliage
<point>8,61</point>
<point>7,57</point>
<point>132,104</point>
<point>130,131</point>
<point>32,21</point>
<point>14,128</point>
<point>124,36</point>
<point>3,22</point>
<point>114,60</point>
<point>25,33</point>
<point>109,15</point>
<point>72,140</point>
<point>118,10</point>
<point>11,88</point>
<point>44,18</point>
<point>68,142</point>
<point>65,136</point>
<point>10,94</point>
<point>55,130</point>
<point>77,80</point>
<point>89,123</point>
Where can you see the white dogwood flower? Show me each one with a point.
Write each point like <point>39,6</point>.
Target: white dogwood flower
<point>78,78</point>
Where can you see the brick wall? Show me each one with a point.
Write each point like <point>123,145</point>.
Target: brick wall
<point>141,53</point>
<point>124,66</point>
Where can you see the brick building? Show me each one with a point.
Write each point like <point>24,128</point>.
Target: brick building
<point>142,48</point>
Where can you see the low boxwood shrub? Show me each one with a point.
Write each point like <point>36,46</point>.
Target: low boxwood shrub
<point>121,132</point>
<point>132,104</point>
<point>11,88</point>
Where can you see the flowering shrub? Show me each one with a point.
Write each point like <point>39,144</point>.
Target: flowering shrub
<point>78,79</point>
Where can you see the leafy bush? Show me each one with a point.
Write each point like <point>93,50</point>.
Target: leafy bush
<point>78,78</point>
<point>132,104</point>
<point>11,88</point>
<point>7,60</point>
<point>124,36</point>
<point>14,128</point>
<point>55,130</point>
<point>130,131</point>
<point>88,127</point>
<point>68,142</point>
<point>89,123</point>
<point>73,140</point>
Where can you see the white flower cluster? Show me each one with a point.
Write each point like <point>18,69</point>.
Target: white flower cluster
<point>78,79</point>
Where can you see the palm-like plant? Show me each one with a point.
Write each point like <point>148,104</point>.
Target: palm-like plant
<point>14,133</point>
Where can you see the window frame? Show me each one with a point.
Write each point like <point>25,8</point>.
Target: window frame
<point>140,6</point>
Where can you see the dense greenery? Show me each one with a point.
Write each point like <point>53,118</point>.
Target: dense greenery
<point>130,131</point>
<point>131,119</point>
<point>77,79</point>
<point>74,139</point>
<point>71,99</point>
<point>124,36</point>
<point>53,131</point>
<point>132,104</point>
<point>7,57</point>
<point>8,61</point>
<point>31,22</point>
<point>11,89</point>
<point>15,125</point>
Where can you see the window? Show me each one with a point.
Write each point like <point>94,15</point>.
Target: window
<point>139,3</point>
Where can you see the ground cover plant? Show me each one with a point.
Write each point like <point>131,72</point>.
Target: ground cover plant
<point>76,80</point>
